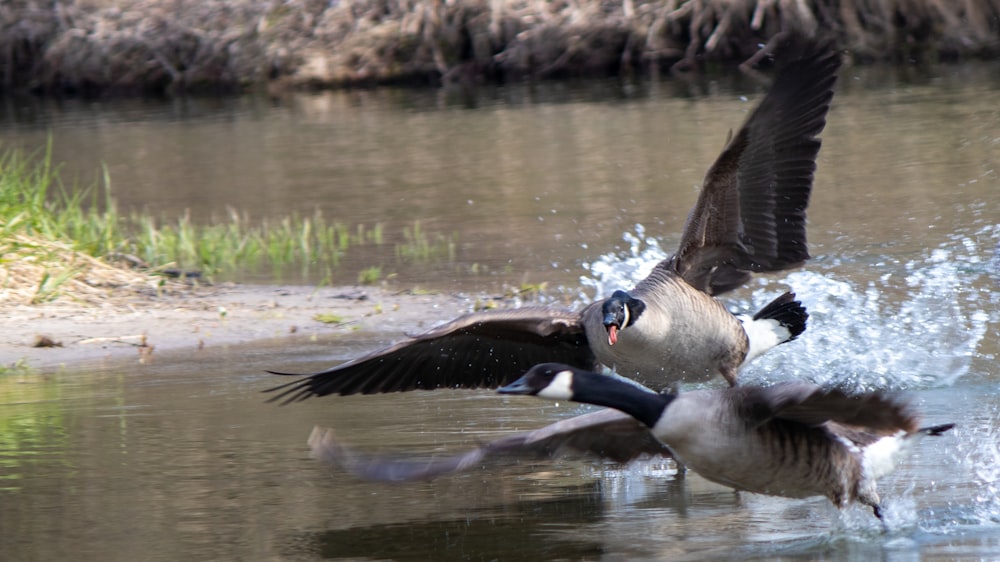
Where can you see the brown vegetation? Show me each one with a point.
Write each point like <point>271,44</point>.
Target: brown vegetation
<point>37,271</point>
<point>171,45</point>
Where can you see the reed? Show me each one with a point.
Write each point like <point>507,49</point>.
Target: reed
<point>236,244</point>
<point>19,367</point>
<point>370,275</point>
<point>183,45</point>
<point>65,234</point>
<point>418,246</point>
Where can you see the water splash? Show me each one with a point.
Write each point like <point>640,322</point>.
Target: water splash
<point>918,324</point>
<point>980,453</point>
<point>927,320</point>
<point>613,271</point>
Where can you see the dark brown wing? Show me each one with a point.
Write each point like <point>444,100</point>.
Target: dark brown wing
<point>607,433</point>
<point>872,412</point>
<point>751,213</point>
<point>479,350</point>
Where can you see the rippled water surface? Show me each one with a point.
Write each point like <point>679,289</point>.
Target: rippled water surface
<point>582,187</point>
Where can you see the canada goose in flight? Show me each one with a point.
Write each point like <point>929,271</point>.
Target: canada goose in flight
<point>791,439</point>
<point>749,217</point>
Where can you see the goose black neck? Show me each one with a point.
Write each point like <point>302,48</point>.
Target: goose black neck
<point>604,390</point>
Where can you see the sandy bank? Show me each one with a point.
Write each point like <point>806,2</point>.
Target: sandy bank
<point>140,328</point>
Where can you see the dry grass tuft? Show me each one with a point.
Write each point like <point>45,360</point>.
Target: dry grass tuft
<point>36,271</point>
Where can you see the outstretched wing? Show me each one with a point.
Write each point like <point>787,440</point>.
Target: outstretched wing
<point>479,350</point>
<point>751,213</point>
<point>607,433</point>
<point>877,413</point>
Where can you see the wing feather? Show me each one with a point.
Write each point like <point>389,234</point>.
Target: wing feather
<point>608,434</point>
<point>751,213</point>
<point>479,350</point>
<point>873,412</point>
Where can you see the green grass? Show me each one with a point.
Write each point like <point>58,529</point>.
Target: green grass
<point>418,246</point>
<point>370,275</point>
<point>328,318</point>
<point>35,202</point>
<point>19,367</point>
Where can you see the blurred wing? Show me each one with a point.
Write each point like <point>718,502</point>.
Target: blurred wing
<point>607,434</point>
<point>873,412</point>
<point>479,350</point>
<point>751,213</point>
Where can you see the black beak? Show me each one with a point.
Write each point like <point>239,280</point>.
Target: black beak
<point>610,319</point>
<point>520,386</point>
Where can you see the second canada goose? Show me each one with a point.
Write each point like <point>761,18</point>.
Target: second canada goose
<point>792,439</point>
<point>749,217</point>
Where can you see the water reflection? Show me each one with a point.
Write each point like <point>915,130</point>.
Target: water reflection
<point>532,180</point>
<point>528,530</point>
<point>183,459</point>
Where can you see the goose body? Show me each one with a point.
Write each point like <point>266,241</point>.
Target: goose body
<point>678,321</point>
<point>792,439</point>
<point>749,217</point>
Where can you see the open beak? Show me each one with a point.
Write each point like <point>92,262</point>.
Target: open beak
<point>612,334</point>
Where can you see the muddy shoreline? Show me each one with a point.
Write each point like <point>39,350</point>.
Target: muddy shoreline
<point>202,319</point>
<point>153,47</point>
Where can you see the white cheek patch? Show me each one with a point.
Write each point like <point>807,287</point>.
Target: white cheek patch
<point>561,387</point>
<point>628,314</point>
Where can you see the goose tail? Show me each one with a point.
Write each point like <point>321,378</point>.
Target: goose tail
<point>787,312</point>
<point>781,321</point>
<point>880,457</point>
<point>936,430</point>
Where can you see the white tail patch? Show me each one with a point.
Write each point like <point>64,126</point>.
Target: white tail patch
<point>763,334</point>
<point>880,458</point>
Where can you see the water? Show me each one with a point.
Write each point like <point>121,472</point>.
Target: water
<point>531,180</point>
<point>583,187</point>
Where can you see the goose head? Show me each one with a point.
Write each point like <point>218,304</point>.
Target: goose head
<point>556,381</point>
<point>547,380</point>
<point>620,311</point>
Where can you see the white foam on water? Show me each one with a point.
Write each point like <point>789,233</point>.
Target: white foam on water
<point>979,452</point>
<point>918,325</point>
<point>928,321</point>
<point>611,271</point>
